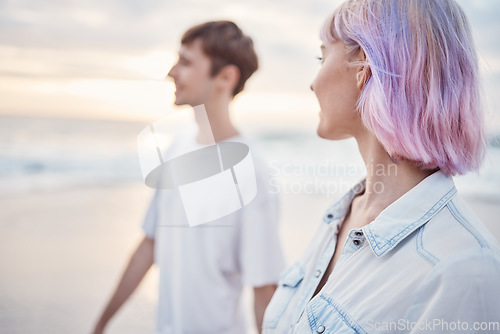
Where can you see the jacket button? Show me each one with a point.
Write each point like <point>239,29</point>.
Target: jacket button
<point>330,216</point>
<point>356,242</point>
<point>358,233</point>
<point>321,329</point>
<point>317,273</point>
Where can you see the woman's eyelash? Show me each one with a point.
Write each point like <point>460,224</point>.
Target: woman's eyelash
<point>320,59</point>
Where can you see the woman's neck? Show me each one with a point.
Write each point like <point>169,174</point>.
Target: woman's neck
<point>386,179</point>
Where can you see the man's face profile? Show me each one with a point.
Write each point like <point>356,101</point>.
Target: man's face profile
<point>191,75</point>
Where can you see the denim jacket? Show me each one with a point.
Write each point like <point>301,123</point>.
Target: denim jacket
<point>426,264</point>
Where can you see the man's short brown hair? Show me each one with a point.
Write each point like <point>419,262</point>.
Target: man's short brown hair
<point>225,44</point>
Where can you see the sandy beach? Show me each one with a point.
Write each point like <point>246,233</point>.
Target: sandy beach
<point>81,81</point>
<point>62,252</point>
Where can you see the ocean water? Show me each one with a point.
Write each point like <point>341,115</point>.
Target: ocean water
<point>63,251</point>
<point>38,153</point>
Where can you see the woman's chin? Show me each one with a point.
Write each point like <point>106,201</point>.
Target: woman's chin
<point>320,133</point>
<point>325,134</point>
<point>330,135</point>
<point>323,131</point>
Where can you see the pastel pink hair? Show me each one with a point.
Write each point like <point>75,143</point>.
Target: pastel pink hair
<point>422,98</point>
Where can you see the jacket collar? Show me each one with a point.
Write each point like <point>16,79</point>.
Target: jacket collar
<point>336,213</point>
<point>401,218</point>
<point>409,212</point>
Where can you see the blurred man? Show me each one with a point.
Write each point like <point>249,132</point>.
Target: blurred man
<point>203,269</point>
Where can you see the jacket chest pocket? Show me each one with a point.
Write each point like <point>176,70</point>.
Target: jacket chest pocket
<point>287,287</point>
<point>323,315</point>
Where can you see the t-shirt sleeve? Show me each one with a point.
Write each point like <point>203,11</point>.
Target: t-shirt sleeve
<point>151,219</point>
<point>261,254</point>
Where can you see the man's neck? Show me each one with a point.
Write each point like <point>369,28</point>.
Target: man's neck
<point>221,126</point>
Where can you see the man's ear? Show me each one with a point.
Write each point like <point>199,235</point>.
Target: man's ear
<point>228,76</point>
<point>364,72</point>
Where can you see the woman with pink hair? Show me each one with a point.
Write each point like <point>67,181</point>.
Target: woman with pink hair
<point>400,252</point>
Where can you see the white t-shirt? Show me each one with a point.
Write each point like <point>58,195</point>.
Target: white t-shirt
<point>203,268</point>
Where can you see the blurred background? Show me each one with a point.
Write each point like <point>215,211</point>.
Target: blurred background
<point>80,80</point>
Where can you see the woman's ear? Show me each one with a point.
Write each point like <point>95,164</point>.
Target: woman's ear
<point>363,75</point>
<point>364,71</point>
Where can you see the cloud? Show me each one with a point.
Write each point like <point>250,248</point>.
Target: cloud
<point>285,34</point>
<point>115,39</point>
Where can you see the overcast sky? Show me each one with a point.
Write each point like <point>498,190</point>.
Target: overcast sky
<point>107,58</point>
